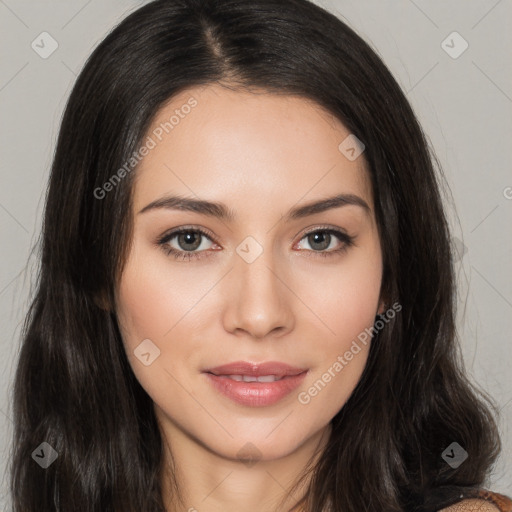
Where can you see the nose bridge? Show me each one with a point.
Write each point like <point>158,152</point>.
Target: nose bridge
<point>257,299</point>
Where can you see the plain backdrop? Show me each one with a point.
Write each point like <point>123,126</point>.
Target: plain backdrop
<point>461,95</point>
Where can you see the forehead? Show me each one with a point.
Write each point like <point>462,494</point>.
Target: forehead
<point>247,148</point>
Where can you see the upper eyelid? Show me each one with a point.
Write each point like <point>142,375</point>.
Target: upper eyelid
<point>207,233</point>
<point>322,227</point>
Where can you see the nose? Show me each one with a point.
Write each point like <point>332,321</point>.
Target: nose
<point>258,299</point>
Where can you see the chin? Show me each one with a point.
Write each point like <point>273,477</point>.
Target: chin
<point>258,446</point>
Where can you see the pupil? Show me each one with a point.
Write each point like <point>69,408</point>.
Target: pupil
<point>188,238</point>
<point>322,239</point>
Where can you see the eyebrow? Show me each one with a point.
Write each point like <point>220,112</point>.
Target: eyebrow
<point>221,211</point>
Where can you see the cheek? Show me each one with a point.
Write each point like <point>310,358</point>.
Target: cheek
<point>159,302</point>
<point>354,301</point>
<point>142,307</point>
<point>345,296</point>
<point>153,301</point>
<point>147,307</point>
<point>347,307</point>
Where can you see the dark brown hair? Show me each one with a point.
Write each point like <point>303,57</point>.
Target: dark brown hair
<point>74,387</point>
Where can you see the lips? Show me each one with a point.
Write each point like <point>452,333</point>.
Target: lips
<point>255,384</point>
<point>252,371</point>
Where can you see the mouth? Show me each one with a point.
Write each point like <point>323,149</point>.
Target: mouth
<point>268,371</point>
<point>252,378</point>
<point>255,384</point>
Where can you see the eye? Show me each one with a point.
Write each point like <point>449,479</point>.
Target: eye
<point>321,239</point>
<point>189,241</point>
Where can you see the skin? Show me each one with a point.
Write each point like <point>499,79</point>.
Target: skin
<point>260,154</point>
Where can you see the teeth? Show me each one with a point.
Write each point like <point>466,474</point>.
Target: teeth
<point>268,378</point>
<point>250,378</point>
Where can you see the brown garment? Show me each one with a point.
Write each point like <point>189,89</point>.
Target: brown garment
<point>443,497</point>
<point>502,502</point>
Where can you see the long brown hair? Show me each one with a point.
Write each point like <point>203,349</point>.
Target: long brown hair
<point>74,387</point>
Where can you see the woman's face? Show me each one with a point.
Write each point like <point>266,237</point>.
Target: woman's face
<point>258,287</point>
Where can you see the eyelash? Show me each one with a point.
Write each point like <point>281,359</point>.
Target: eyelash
<point>188,255</point>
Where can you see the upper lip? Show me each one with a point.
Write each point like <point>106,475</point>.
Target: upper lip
<point>256,369</point>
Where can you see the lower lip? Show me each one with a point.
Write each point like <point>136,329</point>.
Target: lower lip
<point>256,394</point>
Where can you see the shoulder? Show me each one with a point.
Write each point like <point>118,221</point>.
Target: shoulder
<point>472,505</point>
<point>481,500</point>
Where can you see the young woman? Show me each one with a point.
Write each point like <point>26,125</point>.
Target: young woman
<point>246,292</point>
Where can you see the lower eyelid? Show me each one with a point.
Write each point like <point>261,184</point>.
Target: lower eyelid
<point>164,242</point>
<point>345,239</point>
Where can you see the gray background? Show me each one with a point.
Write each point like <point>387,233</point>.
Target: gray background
<point>463,103</point>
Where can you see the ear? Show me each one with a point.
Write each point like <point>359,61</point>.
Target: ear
<point>382,306</point>
<point>102,302</point>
